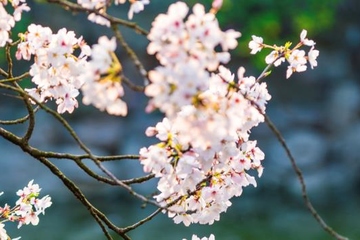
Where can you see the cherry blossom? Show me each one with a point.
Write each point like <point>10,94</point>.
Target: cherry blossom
<point>174,38</point>
<point>204,148</point>
<point>304,40</point>
<point>256,44</point>
<point>294,67</point>
<point>27,209</point>
<point>195,237</point>
<point>102,82</point>
<point>216,4</point>
<point>296,58</point>
<point>275,58</point>
<point>204,151</point>
<point>59,74</point>
<point>312,55</point>
<point>136,6</point>
<point>3,234</point>
<point>7,21</point>
<point>56,71</point>
<point>204,155</point>
<point>185,48</point>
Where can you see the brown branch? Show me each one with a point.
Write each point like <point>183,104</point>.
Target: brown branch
<point>127,187</point>
<point>92,157</point>
<point>141,222</point>
<point>83,146</point>
<point>17,121</point>
<point>116,157</point>
<point>293,163</point>
<point>132,85</point>
<point>9,61</point>
<point>81,197</point>
<point>113,20</point>
<point>67,182</point>
<point>131,54</point>
<point>139,179</point>
<point>14,79</point>
<point>4,73</point>
<point>299,174</point>
<point>78,160</point>
<point>102,226</point>
<point>31,113</point>
<point>57,155</point>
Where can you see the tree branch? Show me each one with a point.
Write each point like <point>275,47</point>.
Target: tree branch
<point>131,54</point>
<point>113,20</point>
<point>299,175</point>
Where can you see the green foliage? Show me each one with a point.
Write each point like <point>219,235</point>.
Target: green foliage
<point>274,20</point>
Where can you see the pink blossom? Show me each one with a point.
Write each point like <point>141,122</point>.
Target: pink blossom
<point>274,58</point>
<point>3,234</point>
<point>304,40</point>
<point>295,67</point>
<point>312,55</point>
<point>57,73</point>
<point>256,44</point>
<point>93,17</point>
<point>136,7</point>
<point>8,21</point>
<point>216,4</point>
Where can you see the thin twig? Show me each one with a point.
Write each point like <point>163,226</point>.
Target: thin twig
<point>139,179</point>
<point>17,121</point>
<point>91,156</point>
<point>127,187</point>
<point>141,222</point>
<point>77,8</point>
<point>67,182</point>
<point>301,181</point>
<point>31,113</point>
<point>132,85</point>
<point>14,79</point>
<point>130,53</point>
<point>9,61</point>
<point>4,73</point>
<point>294,165</point>
<point>27,148</point>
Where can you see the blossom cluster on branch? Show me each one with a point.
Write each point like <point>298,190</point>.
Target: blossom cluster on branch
<point>7,21</point>
<point>26,210</point>
<point>204,156</point>
<point>100,6</point>
<point>204,153</point>
<point>56,70</point>
<point>59,73</point>
<point>296,58</point>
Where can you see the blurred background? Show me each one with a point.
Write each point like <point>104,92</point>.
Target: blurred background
<point>318,112</point>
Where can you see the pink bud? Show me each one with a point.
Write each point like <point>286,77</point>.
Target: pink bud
<point>217,4</point>
<point>150,131</point>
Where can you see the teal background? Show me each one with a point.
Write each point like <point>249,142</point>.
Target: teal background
<point>318,112</point>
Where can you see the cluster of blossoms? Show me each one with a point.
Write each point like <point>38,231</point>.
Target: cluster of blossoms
<point>102,80</point>
<point>136,6</point>
<point>59,73</point>
<point>204,154</point>
<point>195,237</point>
<point>296,58</point>
<point>186,51</point>
<point>56,70</point>
<point>26,210</point>
<point>7,21</point>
